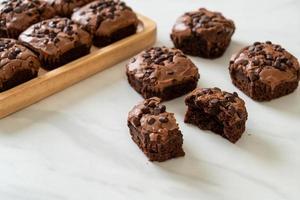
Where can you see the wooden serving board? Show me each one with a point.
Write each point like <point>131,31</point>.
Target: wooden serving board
<point>48,83</point>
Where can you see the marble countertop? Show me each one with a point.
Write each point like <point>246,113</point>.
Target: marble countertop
<point>75,145</point>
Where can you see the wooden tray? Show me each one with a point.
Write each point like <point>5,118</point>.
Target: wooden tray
<point>54,81</point>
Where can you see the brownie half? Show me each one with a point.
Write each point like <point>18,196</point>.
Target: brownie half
<point>16,15</point>
<point>265,71</point>
<point>65,8</point>
<point>202,33</point>
<point>57,41</point>
<point>162,72</point>
<point>155,131</point>
<point>218,111</point>
<point>18,64</point>
<point>107,20</point>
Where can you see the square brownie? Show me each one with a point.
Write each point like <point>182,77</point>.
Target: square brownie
<point>107,20</point>
<point>221,112</point>
<point>162,72</point>
<point>57,41</point>
<point>155,131</point>
<point>265,71</point>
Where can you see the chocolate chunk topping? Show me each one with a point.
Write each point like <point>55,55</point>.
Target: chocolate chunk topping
<point>269,66</point>
<point>151,121</point>
<point>22,14</point>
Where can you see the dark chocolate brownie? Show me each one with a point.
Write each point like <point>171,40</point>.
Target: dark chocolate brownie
<point>17,64</point>
<point>203,33</point>
<point>162,72</point>
<point>265,71</point>
<point>221,112</point>
<point>155,131</point>
<point>17,15</point>
<point>57,41</point>
<point>107,20</point>
<point>65,8</point>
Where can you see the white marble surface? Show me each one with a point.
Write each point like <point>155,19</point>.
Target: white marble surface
<point>75,145</point>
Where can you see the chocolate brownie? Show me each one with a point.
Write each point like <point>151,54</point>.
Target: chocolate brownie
<point>203,33</point>
<point>162,72</point>
<point>221,112</point>
<point>107,20</point>
<point>17,64</point>
<point>57,41</point>
<point>17,15</point>
<point>155,131</point>
<point>65,8</point>
<point>265,71</point>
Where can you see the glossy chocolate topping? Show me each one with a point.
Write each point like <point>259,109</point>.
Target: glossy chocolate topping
<point>54,37</point>
<point>14,57</point>
<point>162,67</point>
<point>212,26</point>
<point>104,17</point>
<point>222,104</point>
<point>267,62</point>
<point>18,15</point>
<point>65,8</point>
<point>151,117</point>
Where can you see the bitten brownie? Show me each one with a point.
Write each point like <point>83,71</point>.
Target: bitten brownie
<point>221,112</point>
<point>17,15</point>
<point>57,41</point>
<point>107,20</point>
<point>162,72</point>
<point>155,131</point>
<point>202,33</point>
<point>265,71</point>
<point>65,8</point>
<point>17,64</point>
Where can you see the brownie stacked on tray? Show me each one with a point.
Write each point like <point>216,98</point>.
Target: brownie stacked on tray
<point>53,40</point>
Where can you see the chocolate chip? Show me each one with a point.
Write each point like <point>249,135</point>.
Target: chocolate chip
<point>56,40</point>
<point>12,55</point>
<point>277,64</point>
<point>289,63</point>
<point>235,94</point>
<point>17,50</point>
<point>268,42</point>
<point>136,121</point>
<point>163,119</point>
<point>145,110</point>
<point>159,109</point>
<point>152,104</point>
<point>18,10</point>
<point>243,62</point>
<point>7,9</point>
<point>253,76</point>
<point>256,43</point>
<point>151,121</point>
<point>255,62</point>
